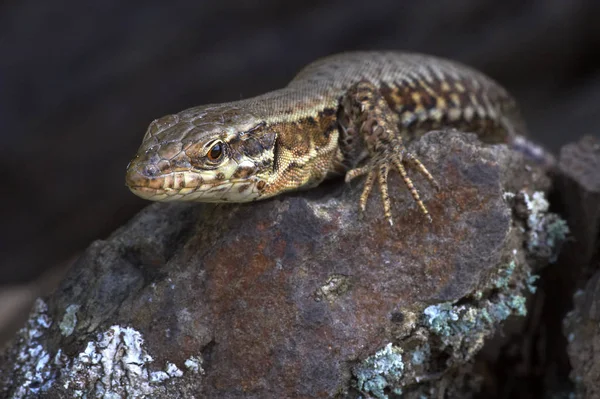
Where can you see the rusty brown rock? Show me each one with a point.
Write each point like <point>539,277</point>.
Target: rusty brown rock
<point>288,297</point>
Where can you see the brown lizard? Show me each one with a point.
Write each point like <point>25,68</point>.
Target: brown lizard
<point>349,113</point>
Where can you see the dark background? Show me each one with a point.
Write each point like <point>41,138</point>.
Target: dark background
<point>80,82</point>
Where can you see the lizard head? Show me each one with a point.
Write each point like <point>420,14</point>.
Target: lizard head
<point>214,153</point>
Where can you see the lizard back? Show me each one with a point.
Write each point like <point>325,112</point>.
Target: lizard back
<point>426,92</point>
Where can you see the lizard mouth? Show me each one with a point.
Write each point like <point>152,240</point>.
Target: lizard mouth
<point>188,186</point>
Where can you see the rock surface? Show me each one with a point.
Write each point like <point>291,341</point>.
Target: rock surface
<point>298,296</point>
<point>582,328</point>
<point>579,185</point>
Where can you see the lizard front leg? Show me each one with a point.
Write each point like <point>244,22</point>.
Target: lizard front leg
<point>372,124</point>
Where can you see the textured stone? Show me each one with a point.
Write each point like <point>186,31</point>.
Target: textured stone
<point>578,182</point>
<point>582,328</point>
<point>297,296</point>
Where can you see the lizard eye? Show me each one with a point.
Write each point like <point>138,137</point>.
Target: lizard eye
<point>216,152</point>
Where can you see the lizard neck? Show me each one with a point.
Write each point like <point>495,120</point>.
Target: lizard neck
<point>306,150</point>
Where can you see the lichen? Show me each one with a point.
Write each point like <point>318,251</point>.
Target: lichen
<point>114,364</point>
<point>33,372</point>
<point>382,370</point>
<point>460,329</point>
<point>531,279</point>
<point>335,286</point>
<point>69,321</point>
<point>439,318</point>
<point>504,276</point>
<point>194,364</point>
<point>547,230</point>
<point>420,354</point>
<point>463,327</point>
<point>171,371</point>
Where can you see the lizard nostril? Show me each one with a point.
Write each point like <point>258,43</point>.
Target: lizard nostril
<point>150,170</point>
<point>142,176</point>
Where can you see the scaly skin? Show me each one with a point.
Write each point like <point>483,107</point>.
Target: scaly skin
<point>349,113</point>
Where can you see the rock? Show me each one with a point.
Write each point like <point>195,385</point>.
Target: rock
<point>578,183</point>
<point>298,296</point>
<point>582,328</point>
<point>579,186</point>
<point>535,358</point>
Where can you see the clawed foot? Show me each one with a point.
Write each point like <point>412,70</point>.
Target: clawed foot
<point>372,122</point>
<point>380,169</point>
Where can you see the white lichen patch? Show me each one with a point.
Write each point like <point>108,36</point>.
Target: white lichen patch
<point>508,195</point>
<point>536,205</point>
<point>116,365</point>
<point>547,231</point>
<point>69,321</point>
<point>194,364</point>
<point>173,370</point>
<point>33,364</point>
<point>113,365</point>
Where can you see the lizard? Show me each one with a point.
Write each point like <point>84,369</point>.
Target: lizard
<point>347,114</point>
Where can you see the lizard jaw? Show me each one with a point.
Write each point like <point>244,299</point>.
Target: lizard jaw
<point>191,186</point>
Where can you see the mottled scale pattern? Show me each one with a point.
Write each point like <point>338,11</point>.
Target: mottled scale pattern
<point>305,153</point>
<point>403,77</point>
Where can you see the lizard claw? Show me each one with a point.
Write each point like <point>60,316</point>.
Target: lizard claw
<point>380,171</point>
<point>380,133</point>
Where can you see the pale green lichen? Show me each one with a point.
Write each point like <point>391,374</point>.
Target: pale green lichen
<point>464,326</point>
<point>420,354</point>
<point>439,318</point>
<point>69,320</point>
<point>457,324</point>
<point>382,370</point>
<point>505,275</point>
<point>531,279</point>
